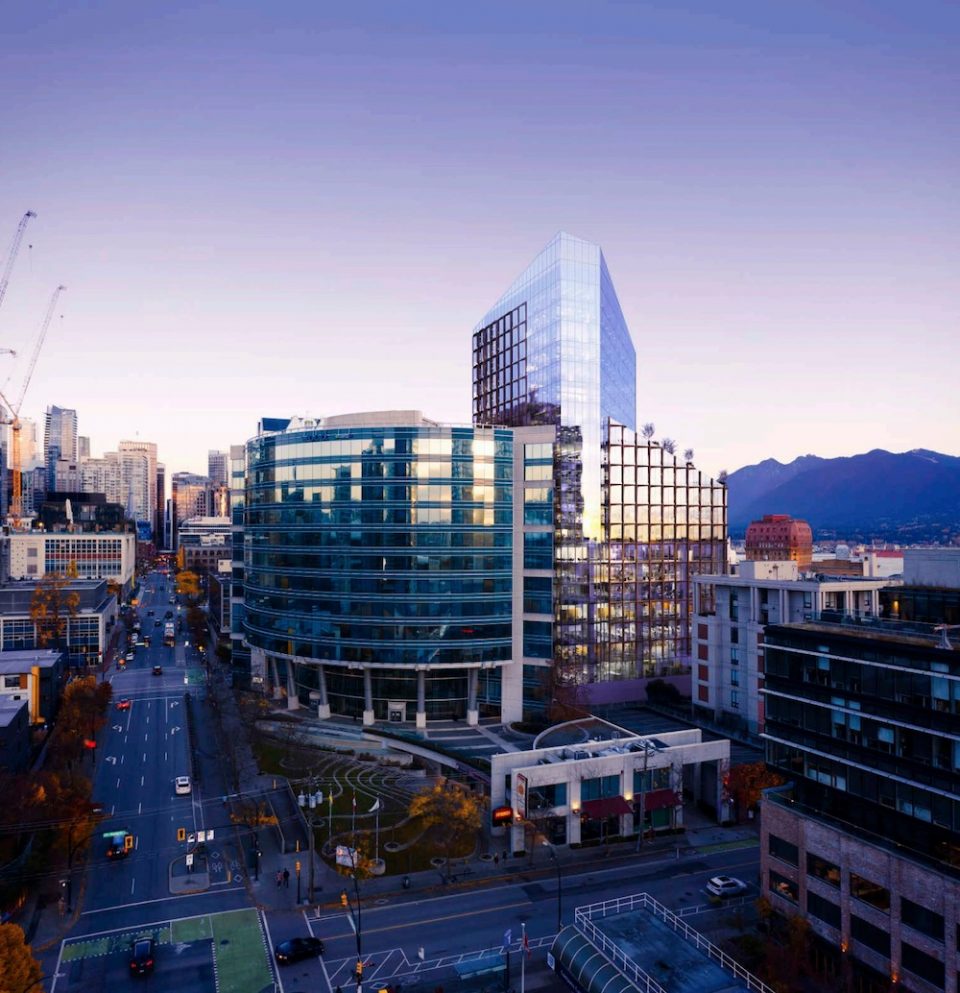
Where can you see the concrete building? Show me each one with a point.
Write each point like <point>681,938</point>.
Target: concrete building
<point>138,481</point>
<point>864,840</point>
<point>732,613</point>
<point>14,734</point>
<point>59,440</point>
<point>217,467</point>
<point>159,529</point>
<point>571,792</point>
<point>779,538</point>
<point>205,542</point>
<point>109,556</point>
<point>190,498</point>
<point>35,677</point>
<point>87,631</point>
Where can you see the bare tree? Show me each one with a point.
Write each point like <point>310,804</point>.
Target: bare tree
<point>669,445</point>
<point>648,430</point>
<point>688,455</point>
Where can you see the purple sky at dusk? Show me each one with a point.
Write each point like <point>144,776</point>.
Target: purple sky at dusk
<point>303,208</point>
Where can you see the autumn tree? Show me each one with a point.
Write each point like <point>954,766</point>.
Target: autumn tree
<point>82,714</point>
<point>188,585</point>
<point>19,970</point>
<point>450,813</point>
<point>748,780</point>
<point>52,606</point>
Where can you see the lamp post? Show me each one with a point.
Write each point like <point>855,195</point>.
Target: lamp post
<point>359,928</point>
<point>556,865</point>
<point>309,803</point>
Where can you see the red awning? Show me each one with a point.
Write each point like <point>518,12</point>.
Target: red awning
<point>658,799</point>
<point>609,806</point>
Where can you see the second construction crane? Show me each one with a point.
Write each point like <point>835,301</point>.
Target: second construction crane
<point>13,419</point>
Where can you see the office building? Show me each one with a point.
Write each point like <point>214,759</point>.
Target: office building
<point>59,440</point>
<point>239,649</point>
<point>35,676</point>
<point>217,467</point>
<point>205,542</point>
<point>191,498</point>
<point>624,523</point>
<point>83,447</point>
<point>779,538</point>
<point>379,564</point>
<point>138,481</point>
<point>102,475</point>
<point>159,531</point>
<point>864,839</point>
<point>110,556</point>
<point>731,614</point>
<point>82,512</point>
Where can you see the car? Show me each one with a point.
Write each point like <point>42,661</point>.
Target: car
<point>722,886</point>
<point>123,704</point>
<point>158,670</point>
<point>168,615</point>
<point>129,657</point>
<point>297,949</point>
<point>156,623</point>
<point>141,957</point>
<point>181,785</point>
<point>150,613</point>
<point>116,849</point>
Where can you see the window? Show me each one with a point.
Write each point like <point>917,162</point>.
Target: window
<point>11,682</point>
<point>734,677</point>
<point>703,673</point>
<point>822,869</point>
<point>734,656</point>
<point>921,919</point>
<point>783,850</point>
<point>873,893</point>
<point>735,699</point>
<point>538,550</point>
<point>703,694</point>
<point>824,910</point>
<point>873,937</point>
<point>921,964</point>
<point>784,887</point>
<point>602,786</point>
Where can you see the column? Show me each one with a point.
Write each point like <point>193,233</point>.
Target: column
<point>293,701</point>
<point>274,678</point>
<point>573,817</point>
<point>323,706</point>
<point>421,699</point>
<point>367,697</point>
<point>473,713</point>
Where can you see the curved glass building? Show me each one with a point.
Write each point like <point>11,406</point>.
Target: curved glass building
<point>378,564</point>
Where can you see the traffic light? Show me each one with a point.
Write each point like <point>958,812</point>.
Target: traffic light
<point>181,834</point>
<point>343,898</point>
<point>296,866</point>
<point>127,842</point>
<point>359,972</point>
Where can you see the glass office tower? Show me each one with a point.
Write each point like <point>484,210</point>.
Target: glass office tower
<point>378,563</point>
<point>631,523</point>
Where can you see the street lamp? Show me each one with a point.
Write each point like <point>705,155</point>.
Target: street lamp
<point>309,803</point>
<point>556,865</point>
<point>359,927</point>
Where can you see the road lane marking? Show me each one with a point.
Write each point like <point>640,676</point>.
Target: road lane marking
<point>118,782</point>
<point>133,885</point>
<point>141,780</point>
<point>162,899</point>
<point>140,808</point>
<point>274,969</point>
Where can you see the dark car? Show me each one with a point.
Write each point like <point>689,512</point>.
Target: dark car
<point>141,957</point>
<point>297,949</point>
<point>116,849</point>
<point>158,670</point>
<point>168,614</point>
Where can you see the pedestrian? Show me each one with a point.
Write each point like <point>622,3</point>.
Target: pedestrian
<point>496,859</point>
<point>279,879</point>
<point>286,878</point>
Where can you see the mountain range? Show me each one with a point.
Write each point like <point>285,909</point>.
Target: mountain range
<point>910,496</point>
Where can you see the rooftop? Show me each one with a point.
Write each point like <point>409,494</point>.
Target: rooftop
<point>24,659</point>
<point>9,708</point>
<point>878,629</point>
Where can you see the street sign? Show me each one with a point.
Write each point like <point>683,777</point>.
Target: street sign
<point>191,838</point>
<point>346,856</point>
<point>189,860</point>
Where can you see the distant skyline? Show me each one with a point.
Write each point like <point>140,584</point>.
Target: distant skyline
<point>304,209</point>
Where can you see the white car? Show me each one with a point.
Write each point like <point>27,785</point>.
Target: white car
<point>725,886</point>
<point>182,785</point>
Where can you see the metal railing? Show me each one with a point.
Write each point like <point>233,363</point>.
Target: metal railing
<point>583,920</point>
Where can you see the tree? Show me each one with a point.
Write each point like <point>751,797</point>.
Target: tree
<point>748,780</point>
<point>648,431</point>
<point>668,445</point>
<point>52,606</point>
<point>450,813</point>
<point>188,585</point>
<point>688,455</point>
<point>81,716</point>
<point>19,970</point>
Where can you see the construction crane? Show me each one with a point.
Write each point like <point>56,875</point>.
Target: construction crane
<point>12,255</point>
<point>13,418</point>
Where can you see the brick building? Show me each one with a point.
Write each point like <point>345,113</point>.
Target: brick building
<point>780,538</point>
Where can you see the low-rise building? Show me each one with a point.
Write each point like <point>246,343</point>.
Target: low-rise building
<point>109,556</point>
<point>87,629</point>
<point>618,786</point>
<point>14,734</point>
<point>35,677</point>
<point>732,613</point>
<point>205,542</point>
<point>779,538</point>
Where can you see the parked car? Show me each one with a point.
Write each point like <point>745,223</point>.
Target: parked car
<point>141,957</point>
<point>297,949</point>
<point>158,670</point>
<point>116,848</point>
<point>129,657</point>
<point>123,704</point>
<point>722,886</point>
<point>182,785</point>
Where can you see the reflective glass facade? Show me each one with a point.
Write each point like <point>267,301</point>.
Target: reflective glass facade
<point>555,349</point>
<point>382,547</point>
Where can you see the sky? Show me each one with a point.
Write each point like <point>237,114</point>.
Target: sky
<point>292,207</point>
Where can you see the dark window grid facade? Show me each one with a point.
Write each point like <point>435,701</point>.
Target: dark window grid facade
<point>664,522</point>
<point>500,390</point>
